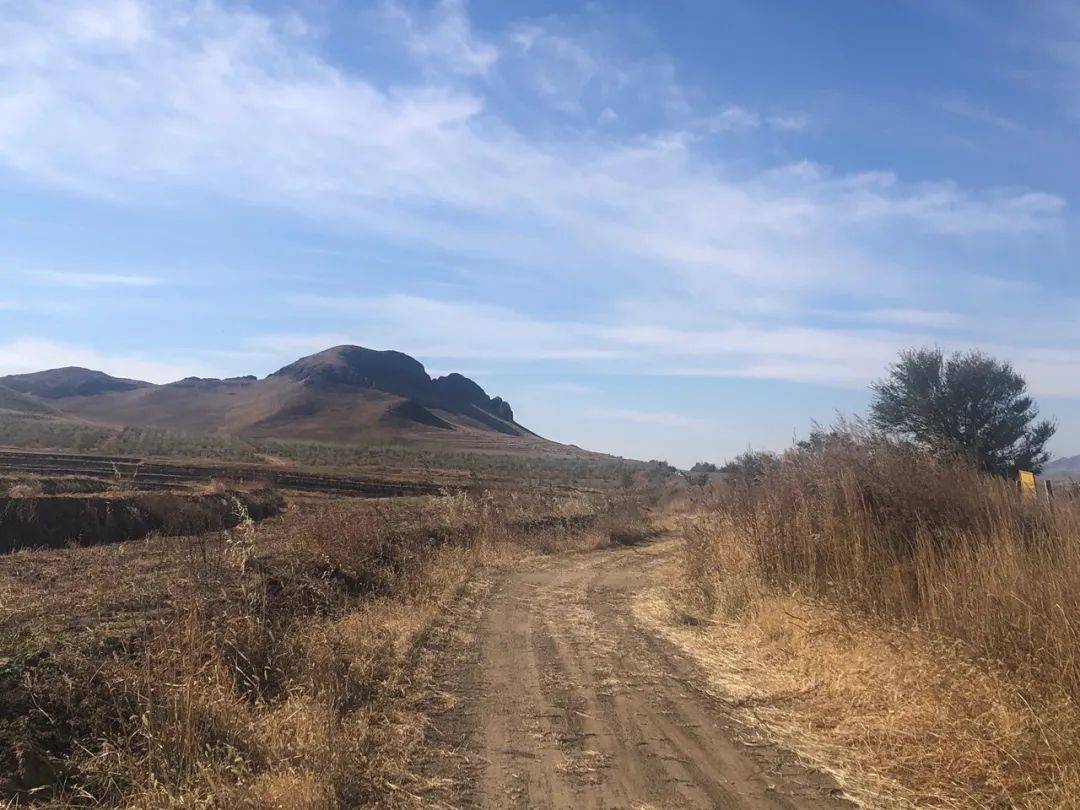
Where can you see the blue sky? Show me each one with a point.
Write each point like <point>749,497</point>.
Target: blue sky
<point>668,230</point>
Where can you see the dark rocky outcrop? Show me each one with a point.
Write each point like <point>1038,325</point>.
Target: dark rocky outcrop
<point>357,367</point>
<point>394,373</point>
<point>459,393</point>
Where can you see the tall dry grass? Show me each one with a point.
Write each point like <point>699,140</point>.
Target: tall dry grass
<point>889,537</point>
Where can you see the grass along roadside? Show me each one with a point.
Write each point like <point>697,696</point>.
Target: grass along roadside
<point>262,667</point>
<point>902,621</point>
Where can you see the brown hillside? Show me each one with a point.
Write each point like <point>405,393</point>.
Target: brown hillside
<point>65,382</point>
<point>11,400</point>
<point>347,393</point>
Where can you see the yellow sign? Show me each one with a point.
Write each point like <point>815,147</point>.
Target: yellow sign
<point>1027,484</point>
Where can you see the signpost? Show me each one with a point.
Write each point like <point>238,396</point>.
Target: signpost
<point>1027,484</point>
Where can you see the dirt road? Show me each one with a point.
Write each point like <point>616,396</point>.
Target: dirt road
<point>559,699</point>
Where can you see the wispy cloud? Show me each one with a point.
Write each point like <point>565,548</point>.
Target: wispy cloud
<point>659,418</point>
<point>24,355</point>
<point>87,280</point>
<point>920,318</point>
<point>443,36</point>
<point>124,98</point>
<point>846,357</point>
<point>453,329</point>
<point>567,387</point>
<point>541,147</point>
<point>733,119</point>
<point>739,119</point>
<point>982,115</point>
<point>791,123</point>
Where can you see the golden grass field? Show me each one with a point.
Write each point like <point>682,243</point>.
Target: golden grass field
<point>909,624</point>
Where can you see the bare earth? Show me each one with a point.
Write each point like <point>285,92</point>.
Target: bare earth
<point>557,698</point>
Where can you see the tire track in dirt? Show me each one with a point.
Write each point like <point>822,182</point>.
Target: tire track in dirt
<point>564,700</point>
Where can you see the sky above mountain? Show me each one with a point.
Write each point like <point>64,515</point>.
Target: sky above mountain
<point>668,230</point>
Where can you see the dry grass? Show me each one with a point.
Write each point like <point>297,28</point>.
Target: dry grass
<point>922,619</point>
<point>265,667</point>
<point>28,488</point>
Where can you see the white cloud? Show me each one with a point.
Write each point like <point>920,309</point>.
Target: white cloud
<point>449,329</point>
<point>566,387</point>
<point>659,418</point>
<point>24,355</point>
<point>87,280</point>
<point>982,115</point>
<point>739,119</point>
<point>445,329</point>
<point>123,99</point>
<point>851,357</point>
<point>790,123</point>
<point>733,119</point>
<point>921,318</point>
<point>445,37</point>
<point>135,101</point>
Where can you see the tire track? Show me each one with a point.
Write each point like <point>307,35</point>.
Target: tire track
<point>565,701</point>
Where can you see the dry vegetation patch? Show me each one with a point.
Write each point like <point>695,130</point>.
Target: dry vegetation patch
<point>266,666</point>
<point>905,621</point>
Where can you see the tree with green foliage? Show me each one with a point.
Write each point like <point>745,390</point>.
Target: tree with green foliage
<point>968,403</point>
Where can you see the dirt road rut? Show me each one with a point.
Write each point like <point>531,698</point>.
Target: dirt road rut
<point>558,698</point>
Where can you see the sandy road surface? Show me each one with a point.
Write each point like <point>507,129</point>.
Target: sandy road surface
<point>559,699</point>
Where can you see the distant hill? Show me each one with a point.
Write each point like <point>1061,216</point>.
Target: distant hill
<point>11,400</point>
<point>1063,468</point>
<point>68,382</point>
<point>347,393</point>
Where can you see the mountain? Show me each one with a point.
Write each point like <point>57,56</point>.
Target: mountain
<point>394,373</point>
<point>347,393</point>
<point>1063,468</point>
<point>11,400</point>
<point>68,382</point>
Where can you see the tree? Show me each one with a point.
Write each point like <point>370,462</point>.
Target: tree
<point>704,467</point>
<point>967,402</point>
<point>752,465</point>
